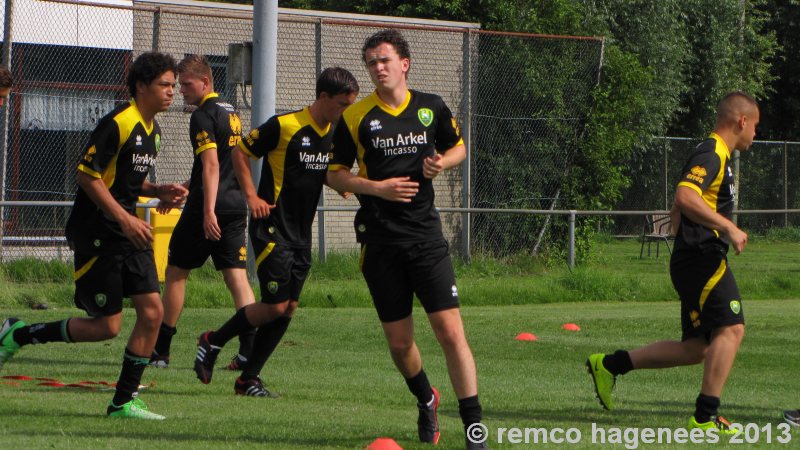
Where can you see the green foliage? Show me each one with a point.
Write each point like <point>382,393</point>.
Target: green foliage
<point>783,234</point>
<point>31,270</point>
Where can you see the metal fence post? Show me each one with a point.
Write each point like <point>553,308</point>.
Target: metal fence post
<point>320,213</point>
<point>571,258</point>
<point>785,182</point>
<point>466,166</point>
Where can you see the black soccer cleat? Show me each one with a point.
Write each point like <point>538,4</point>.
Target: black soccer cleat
<point>252,388</point>
<point>428,422</point>
<point>206,357</point>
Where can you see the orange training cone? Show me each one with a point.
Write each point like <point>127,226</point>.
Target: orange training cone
<point>571,327</point>
<point>384,443</point>
<point>526,337</point>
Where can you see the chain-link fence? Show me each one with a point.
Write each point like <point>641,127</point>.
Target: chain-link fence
<point>521,100</point>
<point>768,178</point>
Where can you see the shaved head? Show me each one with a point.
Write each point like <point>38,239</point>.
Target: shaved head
<point>735,105</point>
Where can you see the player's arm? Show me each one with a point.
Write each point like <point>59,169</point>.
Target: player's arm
<point>210,188</point>
<point>689,203</point>
<point>135,229</point>
<point>259,208</point>
<point>674,219</point>
<point>433,165</point>
<point>450,149</point>
<point>398,189</point>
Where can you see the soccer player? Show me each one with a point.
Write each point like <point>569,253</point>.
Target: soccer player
<point>214,219</point>
<point>711,310</point>
<point>402,140</point>
<point>5,84</point>
<point>295,149</point>
<point>113,252</point>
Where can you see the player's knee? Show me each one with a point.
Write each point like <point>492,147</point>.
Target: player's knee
<point>108,327</point>
<point>735,332</point>
<point>153,314</point>
<point>400,345</point>
<point>450,336</point>
<point>291,307</point>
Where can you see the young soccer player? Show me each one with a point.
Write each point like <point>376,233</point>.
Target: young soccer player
<point>214,219</point>
<point>113,253</point>
<point>295,150</point>
<point>402,140</point>
<point>711,309</point>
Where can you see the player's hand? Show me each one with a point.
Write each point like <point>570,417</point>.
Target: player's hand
<point>137,231</point>
<point>432,165</point>
<point>344,195</point>
<point>172,193</point>
<point>165,207</point>
<point>211,228</point>
<point>738,239</point>
<point>259,208</point>
<point>398,189</point>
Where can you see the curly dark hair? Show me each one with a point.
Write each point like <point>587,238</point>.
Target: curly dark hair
<point>147,67</point>
<point>5,78</point>
<point>387,36</point>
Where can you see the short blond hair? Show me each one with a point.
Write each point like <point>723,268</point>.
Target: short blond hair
<point>197,66</point>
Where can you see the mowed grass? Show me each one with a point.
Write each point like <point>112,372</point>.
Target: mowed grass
<point>768,269</point>
<point>339,388</point>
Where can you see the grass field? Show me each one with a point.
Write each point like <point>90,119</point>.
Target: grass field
<point>768,269</point>
<point>339,389</point>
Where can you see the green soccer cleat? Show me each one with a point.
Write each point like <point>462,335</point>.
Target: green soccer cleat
<point>134,409</point>
<point>603,380</point>
<point>722,425</point>
<point>8,347</point>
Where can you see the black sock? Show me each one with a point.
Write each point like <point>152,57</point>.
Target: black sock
<point>420,387</point>
<point>619,363</point>
<point>470,410</point>
<point>164,341</point>
<point>264,343</point>
<point>705,407</point>
<point>40,333</point>
<point>235,326</point>
<point>128,384</point>
<point>246,343</point>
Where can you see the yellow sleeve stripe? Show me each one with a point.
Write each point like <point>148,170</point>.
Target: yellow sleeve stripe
<point>335,167</point>
<point>695,187</point>
<point>89,171</point>
<point>202,148</point>
<point>86,267</point>
<point>246,151</point>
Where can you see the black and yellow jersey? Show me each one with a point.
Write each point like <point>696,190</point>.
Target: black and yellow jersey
<point>296,153</point>
<point>215,125</point>
<point>709,173</point>
<point>387,143</point>
<point>121,151</point>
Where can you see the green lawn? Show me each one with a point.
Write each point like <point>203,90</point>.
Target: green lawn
<point>613,272</point>
<point>339,388</point>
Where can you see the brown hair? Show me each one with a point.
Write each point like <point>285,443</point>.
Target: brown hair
<point>5,78</point>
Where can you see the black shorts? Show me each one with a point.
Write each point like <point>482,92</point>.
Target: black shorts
<point>282,270</point>
<point>101,282</point>
<point>189,248</point>
<point>709,295</point>
<point>395,272</point>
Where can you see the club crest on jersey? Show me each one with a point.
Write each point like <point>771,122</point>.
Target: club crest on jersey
<point>375,125</point>
<point>425,116</point>
<point>306,141</point>
<point>158,142</point>
<point>138,140</point>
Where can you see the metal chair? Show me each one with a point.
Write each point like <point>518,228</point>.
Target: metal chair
<point>657,228</point>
